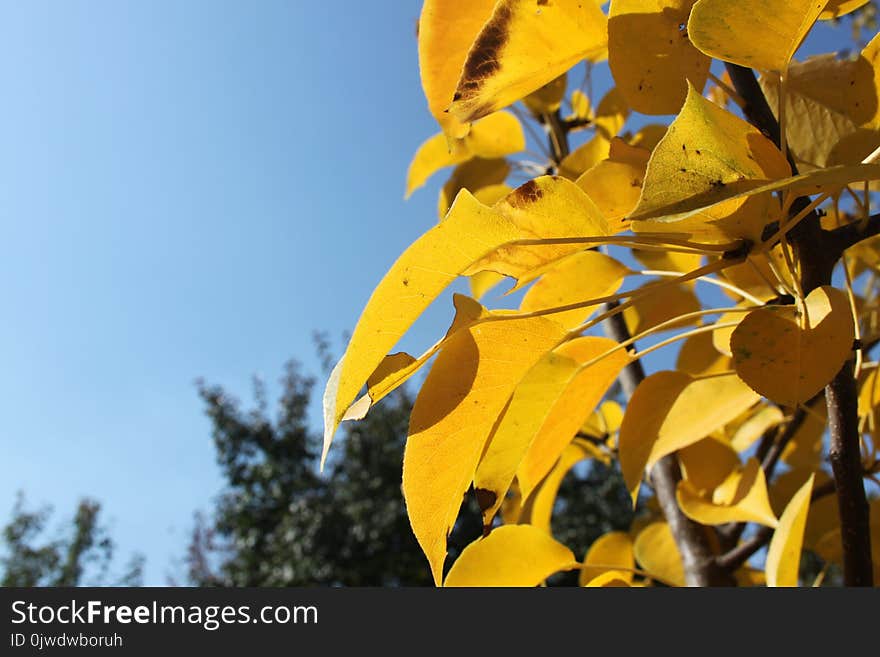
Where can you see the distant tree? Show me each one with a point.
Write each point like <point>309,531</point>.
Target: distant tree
<point>81,555</point>
<point>279,522</point>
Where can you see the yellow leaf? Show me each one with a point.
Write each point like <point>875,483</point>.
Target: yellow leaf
<point>823,515</point>
<point>580,277</point>
<point>869,393</point>
<point>604,421</point>
<point>572,408</point>
<point>483,281</point>
<point>804,449</point>
<point>657,553</point>
<point>661,305</point>
<point>774,29</point>
<point>538,509</point>
<point>837,8</point>
<point>755,426</point>
<point>721,337</point>
<point>741,498</point>
<point>831,109</point>
<point>609,579</point>
<point>784,553</point>
<point>446,32</point>
<point>462,397</point>
<point>513,555</point>
<point>494,137</point>
<point>651,56</point>
<point>755,275</point>
<point>546,207</point>
<point>668,260</point>
<point>788,363</point>
<point>698,357</point>
<point>548,98</point>
<point>615,183</point>
<point>580,106</point>
<point>707,463</point>
<point>584,157</point>
<point>707,156</point>
<point>474,175</point>
<point>421,273</point>
<point>548,406</point>
<point>649,136</point>
<point>610,551</point>
<point>671,410</point>
<point>524,45</point>
<point>611,114</point>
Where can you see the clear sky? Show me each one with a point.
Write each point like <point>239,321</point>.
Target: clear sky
<point>187,189</point>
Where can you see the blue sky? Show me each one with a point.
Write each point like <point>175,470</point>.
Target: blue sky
<point>187,189</point>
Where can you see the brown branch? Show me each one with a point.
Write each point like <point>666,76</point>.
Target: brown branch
<point>691,538</point>
<point>817,255</point>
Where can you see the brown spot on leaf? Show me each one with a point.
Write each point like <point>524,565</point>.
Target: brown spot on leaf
<point>482,60</point>
<point>526,194</point>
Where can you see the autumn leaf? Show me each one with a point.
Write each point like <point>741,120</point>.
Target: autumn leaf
<point>513,555</point>
<point>651,56</point>
<point>656,552</point>
<point>609,552</point>
<point>784,553</point>
<point>789,358</point>
<point>522,46</point>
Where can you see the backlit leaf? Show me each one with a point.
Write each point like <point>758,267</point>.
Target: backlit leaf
<point>707,463</point>
<point>548,98</point>
<point>698,357</point>
<point>760,34</point>
<point>611,113</point>
<point>463,395</point>
<point>656,552</point>
<point>474,175</point>
<point>788,363</point>
<point>707,155</point>
<point>609,579</point>
<point>784,553</point>
<point>671,410</point>
<point>524,45</point>
<point>837,8</point>
<point>741,498</point>
<point>609,551</point>
<point>580,277</point>
<point>615,183</point>
<point>584,157</point>
<point>661,305</point>
<point>494,137</point>
<point>651,56</point>
<point>750,431</point>
<point>513,555</point>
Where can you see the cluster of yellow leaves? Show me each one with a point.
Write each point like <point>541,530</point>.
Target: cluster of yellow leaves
<point>513,399</point>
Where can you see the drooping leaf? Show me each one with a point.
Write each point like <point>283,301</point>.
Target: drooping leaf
<point>513,555</point>
<point>784,553</point>
<point>698,357</point>
<point>707,155</point>
<point>463,395</point>
<point>671,410</point>
<point>446,32</point>
<point>483,281</point>
<point>804,449</point>
<point>524,45</point>
<point>668,260</point>
<point>608,552</point>
<point>651,56</point>
<point>584,157</point>
<point>755,426</point>
<point>838,8</point>
<point>656,552</point>
<point>580,277</point>
<point>538,509</point>
<point>609,579</point>
<point>547,98</point>
<point>762,34</point>
<point>741,498</point>
<point>604,421</point>
<point>707,463</point>
<point>494,137</point>
<point>789,363</point>
<point>611,113</point>
<point>548,406</point>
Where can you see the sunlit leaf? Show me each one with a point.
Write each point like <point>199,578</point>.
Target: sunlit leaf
<point>656,552</point>
<point>611,113</point>
<point>463,395</point>
<point>755,426</point>
<point>580,277</point>
<point>604,421</point>
<point>474,175</point>
<point>698,357</point>
<point>671,410</point>
<point>513,555</point>
<point>707,155</point>
<point>789,363</point>
<point>837,8</point>
<point>446,32</point>
<point>524,45</point>
<point>609,551</point>
<point>609,579</point>
<point>548,98</point>
<point>651,56</point>
<point>760,34</point>
<point>707,463</point>
<point>483,281</point>
<point>784,553</point>
<point>662,304</point>
<point>584,157</point>
<point>615,183</point>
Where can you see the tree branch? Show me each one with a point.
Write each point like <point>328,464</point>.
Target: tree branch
<point>817,252</point>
